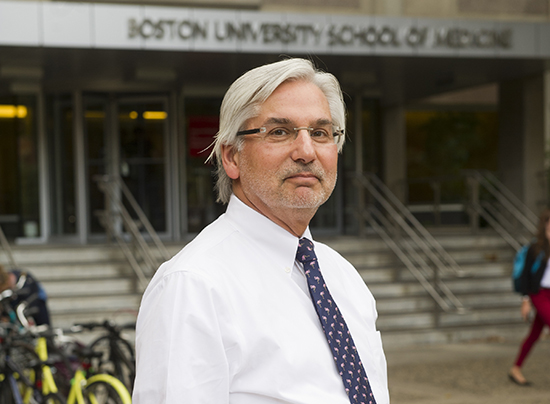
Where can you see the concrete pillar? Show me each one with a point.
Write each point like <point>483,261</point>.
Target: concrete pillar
<point>395,150</point>
<point>522,139</point>
<point>81,191</point>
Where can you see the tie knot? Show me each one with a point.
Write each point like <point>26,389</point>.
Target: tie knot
<point>305,251</point>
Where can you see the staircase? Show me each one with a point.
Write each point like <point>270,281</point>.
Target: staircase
<point>95,282</point>
<point>83,283</point>
<point>408,315</point>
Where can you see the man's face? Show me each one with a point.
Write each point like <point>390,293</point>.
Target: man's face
<point>296,175</point>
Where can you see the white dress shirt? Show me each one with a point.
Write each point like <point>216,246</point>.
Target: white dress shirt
<point>229,319</point>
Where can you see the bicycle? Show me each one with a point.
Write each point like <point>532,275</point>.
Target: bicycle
<point>86,387</point>
<point>27,369</point>
<point>35,384</point>
<point>18,383</point>
<point>117,354</point>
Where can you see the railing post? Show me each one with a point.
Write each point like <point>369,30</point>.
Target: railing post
<point>106,216</point>
<point>437,307</point>
<point>436,186</point>
<point>358,140</point>
<point>360,206</point>
<point>473,185</point>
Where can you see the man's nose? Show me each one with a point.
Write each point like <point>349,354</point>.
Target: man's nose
<point>303,147</point>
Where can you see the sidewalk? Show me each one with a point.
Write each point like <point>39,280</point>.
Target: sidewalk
<point>468,373</point>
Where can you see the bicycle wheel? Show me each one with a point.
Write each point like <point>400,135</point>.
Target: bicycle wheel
<point>28,367</point>
<point>117,359</point>
<point>102,393</point>
<point>24,354</point>
<point>63,366</point>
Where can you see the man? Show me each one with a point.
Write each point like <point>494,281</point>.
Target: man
<point>251,310</point>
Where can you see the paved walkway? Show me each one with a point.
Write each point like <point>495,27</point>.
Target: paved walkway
<point>468,373</point>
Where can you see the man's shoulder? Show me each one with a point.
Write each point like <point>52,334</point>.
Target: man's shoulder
<point>211,246</point>
<point>208,238</point>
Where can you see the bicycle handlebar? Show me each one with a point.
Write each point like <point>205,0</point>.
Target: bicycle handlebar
<point>108,325</point>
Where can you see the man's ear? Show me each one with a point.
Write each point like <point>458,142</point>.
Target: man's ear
<point>230,160</point>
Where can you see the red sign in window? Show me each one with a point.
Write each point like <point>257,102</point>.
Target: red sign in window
<point>200,136</point>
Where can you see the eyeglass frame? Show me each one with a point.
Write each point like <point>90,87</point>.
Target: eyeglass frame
<point>263,129</point>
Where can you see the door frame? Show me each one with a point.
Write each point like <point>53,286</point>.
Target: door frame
<point>113,160</point>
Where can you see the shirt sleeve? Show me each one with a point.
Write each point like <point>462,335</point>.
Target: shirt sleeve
<point>179,348</point>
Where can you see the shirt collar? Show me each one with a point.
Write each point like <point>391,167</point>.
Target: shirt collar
<point>280,244</point>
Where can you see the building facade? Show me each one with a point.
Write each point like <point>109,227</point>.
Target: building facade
<point>133,89</point>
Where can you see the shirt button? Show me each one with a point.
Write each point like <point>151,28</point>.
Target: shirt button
<point>287,270</point>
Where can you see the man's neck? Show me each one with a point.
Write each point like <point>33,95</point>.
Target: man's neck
<point>293,220</point>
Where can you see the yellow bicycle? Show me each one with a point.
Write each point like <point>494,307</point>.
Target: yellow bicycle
<point>97,389</point>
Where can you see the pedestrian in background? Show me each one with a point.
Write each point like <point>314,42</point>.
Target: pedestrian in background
<point>535,287</point>
<point>26,288</point>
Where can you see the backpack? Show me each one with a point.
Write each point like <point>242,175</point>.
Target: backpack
<point>519,265</point>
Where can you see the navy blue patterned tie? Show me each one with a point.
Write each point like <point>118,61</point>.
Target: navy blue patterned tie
<point>338,336</point>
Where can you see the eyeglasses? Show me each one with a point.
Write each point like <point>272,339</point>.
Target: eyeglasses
<point>324,134</point>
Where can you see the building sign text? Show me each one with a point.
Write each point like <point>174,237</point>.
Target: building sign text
<point>333,35</point>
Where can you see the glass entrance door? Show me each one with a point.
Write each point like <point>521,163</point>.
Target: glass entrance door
<point>19,206</point>
<point>142,161</point>
<point>97,132</point>
<point>127,137</point>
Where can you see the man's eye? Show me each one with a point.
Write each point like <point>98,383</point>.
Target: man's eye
<point>279,132</point>
<point>320,133</point>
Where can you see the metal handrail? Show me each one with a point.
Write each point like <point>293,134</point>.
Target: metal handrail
<point>142,217</point>
<point>108,223</point>
<point>420,238</point>
<point>511,205</point>
<point>495,224</point>
<point>502,193</point>
<point>420,277</point>
<point>505,213</point>
<point>114,187</point>
<point>428,243</point>
<point>7,249</point>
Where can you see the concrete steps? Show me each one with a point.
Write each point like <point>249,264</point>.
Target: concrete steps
<point>83,283</point>
<point>407,314</point>
<point>94,282</point>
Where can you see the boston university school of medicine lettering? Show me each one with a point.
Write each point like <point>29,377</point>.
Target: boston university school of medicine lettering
<point>132,91</point>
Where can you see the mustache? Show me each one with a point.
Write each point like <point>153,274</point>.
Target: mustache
<point>313,169</point>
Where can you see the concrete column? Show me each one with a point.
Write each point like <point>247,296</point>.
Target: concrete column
<point>394,150</point>
<point>358,128</point>
<point>175,114</point>
<point>81,194</point>
<point>522,139</point>
<point>43,170</point>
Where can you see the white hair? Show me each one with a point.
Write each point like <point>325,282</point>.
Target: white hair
<point>245,96</point>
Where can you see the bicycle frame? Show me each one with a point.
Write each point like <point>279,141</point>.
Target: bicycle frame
<point>75,394</point>
<point>48,383</point>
